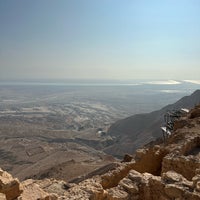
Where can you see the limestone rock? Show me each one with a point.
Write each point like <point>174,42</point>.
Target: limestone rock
<point>53,186</point>
<point>172,177</point>
<point>112,178</point>
<point>9,186</point>
<point>174,191</point>
<point>2,196</point>
<point>135,176</point>
<point>170,170</point>
<point>117,194</point>
<point>89,189</point>
<point>129,186</point>
<point>195,112</point>
<point>32,191</point>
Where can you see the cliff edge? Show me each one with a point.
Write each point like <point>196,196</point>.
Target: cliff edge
<point>135,131</point>
<point>160,171</point>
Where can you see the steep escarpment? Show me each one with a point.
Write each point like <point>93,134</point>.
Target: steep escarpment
<point>169,170</point>
<point>135,131</point>
<point>162,170</point>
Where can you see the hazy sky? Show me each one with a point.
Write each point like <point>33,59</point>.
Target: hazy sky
<point>104,39</point>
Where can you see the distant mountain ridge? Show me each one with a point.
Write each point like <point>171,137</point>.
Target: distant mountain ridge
<point>137,130</point>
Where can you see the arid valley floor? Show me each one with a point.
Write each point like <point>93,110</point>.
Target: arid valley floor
<point>59,131</point>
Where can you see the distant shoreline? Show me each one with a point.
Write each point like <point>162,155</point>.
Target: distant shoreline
<point>96,82</point>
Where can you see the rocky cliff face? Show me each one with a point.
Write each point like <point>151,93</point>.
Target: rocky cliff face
<point>160,171</point>
<point>135,131</point>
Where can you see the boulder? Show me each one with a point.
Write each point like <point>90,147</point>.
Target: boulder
<point>32,191</point>
<point>9,186</point>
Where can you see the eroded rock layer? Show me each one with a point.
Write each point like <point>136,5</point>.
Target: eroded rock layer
<point>162,171</point>
<point>168,170</point>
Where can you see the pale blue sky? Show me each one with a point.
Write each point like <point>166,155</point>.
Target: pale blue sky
<point>104,39</point>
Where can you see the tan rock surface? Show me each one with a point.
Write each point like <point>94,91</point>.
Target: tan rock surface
<point>32,191</point>
<point>170,170</point>
<point>9,186</point>
<point>2,196</point>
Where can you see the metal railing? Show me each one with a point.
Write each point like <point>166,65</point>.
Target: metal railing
<point>170,117</point>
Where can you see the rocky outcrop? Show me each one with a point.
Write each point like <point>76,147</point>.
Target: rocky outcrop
<point>149,187</point>
<point>9,186</point>
<point>140,186</point>
<point>32,191</point>
<point>135,131</point>
<point>163,171</point>
<point>12,189</point>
